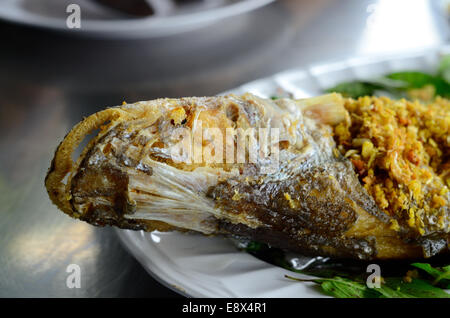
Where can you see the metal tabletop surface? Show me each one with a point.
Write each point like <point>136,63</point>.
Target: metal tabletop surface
<point>50,80</point>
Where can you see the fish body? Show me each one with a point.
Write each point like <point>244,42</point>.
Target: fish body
<point>262,169</point>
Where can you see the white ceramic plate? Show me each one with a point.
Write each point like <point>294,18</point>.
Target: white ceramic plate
<point>200,266</point>
<point>96,19</point>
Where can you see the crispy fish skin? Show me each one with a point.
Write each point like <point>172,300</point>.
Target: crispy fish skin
<point>311,202</point>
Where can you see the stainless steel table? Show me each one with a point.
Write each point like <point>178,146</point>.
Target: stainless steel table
<point>49,80</point>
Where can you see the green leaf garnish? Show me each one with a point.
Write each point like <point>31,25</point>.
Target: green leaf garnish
<point>255,247</point>
<point>399,84</point>
<point>355,89</point>
<point>444,68</point>
<point>340,287</point>
<point>440,275</point>
<point>397,288</point>
<point>412,79</point>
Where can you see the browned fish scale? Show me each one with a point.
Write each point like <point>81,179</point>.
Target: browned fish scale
<point>302,195</point>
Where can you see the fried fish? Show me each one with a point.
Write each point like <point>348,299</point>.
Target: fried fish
<point>263,169</point>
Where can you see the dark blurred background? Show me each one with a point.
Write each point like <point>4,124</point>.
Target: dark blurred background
<point>50,79</point>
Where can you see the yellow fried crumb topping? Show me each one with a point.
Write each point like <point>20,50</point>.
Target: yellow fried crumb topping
<point>401,150</point>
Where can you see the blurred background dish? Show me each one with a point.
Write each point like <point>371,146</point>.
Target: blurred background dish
<point>127,18</point>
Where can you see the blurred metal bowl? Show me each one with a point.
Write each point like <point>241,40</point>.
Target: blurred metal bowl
<point>170,16</point>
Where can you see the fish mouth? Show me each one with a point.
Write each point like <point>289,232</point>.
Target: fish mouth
<point>303,195</point>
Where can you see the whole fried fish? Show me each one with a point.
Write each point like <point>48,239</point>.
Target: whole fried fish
<point>262,169</point>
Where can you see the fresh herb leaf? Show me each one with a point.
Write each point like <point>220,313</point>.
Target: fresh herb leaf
<point>355,89</point>
<point>264,252</point>
<point>428,268</point>
<point>255,247</point>
<point>342,287</point>
<point>345,288</point>
<point>440,275</point>
<point>397,288</point>
<point>442,87</point>
<point>391,288</point>
<point>446,75</point>
<point>444,68</point>
<point>416,80</point>
<point>400,84</point>
<point>412,79</point>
